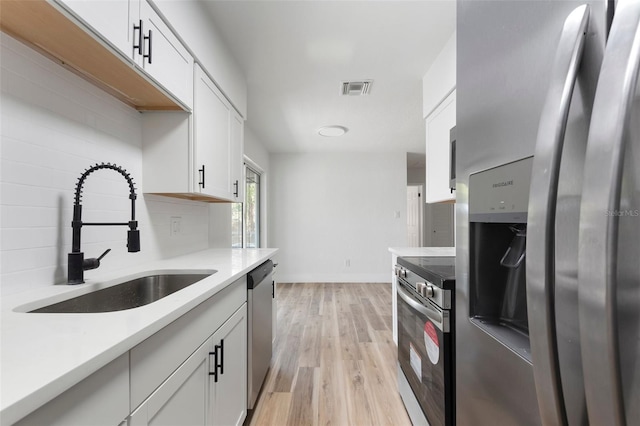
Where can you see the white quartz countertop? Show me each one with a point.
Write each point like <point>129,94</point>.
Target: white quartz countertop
<point>43,355</point>
<point>423,251</point>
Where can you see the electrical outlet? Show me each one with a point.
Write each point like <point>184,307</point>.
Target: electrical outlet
<point>347,263</point>
<point>175,226</point>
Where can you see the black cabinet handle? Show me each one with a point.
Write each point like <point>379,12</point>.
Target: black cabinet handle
<point>139,29</point>
<point>214,373</point>
<point>452,160</point>
<point>221,346</point>
<point>236,185</point>
<point>201,172</point>
<point>218,360</point>
<point>149,38</point>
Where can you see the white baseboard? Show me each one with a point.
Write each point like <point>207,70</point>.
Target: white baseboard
<point>333,278</point>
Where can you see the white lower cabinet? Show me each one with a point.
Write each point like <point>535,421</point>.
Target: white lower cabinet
<point>228,386</point>
<point>181,399</point>
<point>394,298</point>
<point>209,388</point>
<point>191,372</point>
<point>100,399</point>
<point>194,371</point>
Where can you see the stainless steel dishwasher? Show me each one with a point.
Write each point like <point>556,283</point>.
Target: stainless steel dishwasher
<point>259,299</point>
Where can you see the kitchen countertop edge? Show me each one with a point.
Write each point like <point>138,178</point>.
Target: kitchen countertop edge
<point>423,251</point>
<point>230,265</point>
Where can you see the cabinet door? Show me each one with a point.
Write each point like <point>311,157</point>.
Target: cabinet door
<point>394,298</point>
<point>182,398</point>
<point>212,136</point>
<point>228,389</point>
<point>113,20</point>
<point>237,152</point>
<point>274,312</point>
<point>438,125</point>
<point>164,58</point>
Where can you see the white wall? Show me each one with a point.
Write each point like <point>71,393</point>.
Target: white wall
<point>415,175</point>
<point>219,225</point>
<point>54,126</point>
<point>329,207</point>
<point>254,149</point>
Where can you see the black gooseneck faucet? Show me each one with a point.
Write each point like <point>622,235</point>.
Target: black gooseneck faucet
<point>77,264</point>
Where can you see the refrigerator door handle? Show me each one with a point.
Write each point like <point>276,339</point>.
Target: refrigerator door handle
<point>598,241</point>
<point>541,216</point>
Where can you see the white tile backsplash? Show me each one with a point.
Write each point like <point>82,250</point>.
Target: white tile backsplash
<point>54,125</point>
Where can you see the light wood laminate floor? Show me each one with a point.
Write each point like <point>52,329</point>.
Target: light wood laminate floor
<point>334,360</point>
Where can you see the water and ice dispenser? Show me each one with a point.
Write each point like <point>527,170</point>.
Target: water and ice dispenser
<point>498,201</point>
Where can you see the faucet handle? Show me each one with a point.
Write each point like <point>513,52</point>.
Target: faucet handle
<point>103,255</point>
<point>93,263</point>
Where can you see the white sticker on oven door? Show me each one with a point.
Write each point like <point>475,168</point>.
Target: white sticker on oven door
<point>431,342</point>
<point>416,362</point>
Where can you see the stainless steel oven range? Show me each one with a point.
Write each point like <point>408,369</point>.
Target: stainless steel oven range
<point>426,339</point>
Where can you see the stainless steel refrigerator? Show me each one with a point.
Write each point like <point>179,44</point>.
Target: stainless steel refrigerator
<point>548,213</point>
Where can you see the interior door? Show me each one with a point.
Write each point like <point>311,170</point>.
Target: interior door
<point>414,216</point>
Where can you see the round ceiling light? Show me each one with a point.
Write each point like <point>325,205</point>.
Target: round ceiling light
<point>332,131</point>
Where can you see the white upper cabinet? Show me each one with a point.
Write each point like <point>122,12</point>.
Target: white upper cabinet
<point>439,109</point>
<point>212,136</point>
<point>163,56</point>
<point>196,156</point>
<point>113,20</point>
<point>439,151</point>
<point>237,152</point>
<point>140,34</point>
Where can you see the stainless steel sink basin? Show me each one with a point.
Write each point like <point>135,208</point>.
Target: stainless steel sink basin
<point>130,294</point>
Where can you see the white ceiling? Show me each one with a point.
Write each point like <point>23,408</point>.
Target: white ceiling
<point>295,55</point>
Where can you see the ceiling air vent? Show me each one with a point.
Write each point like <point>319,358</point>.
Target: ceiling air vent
<point>356,88</point>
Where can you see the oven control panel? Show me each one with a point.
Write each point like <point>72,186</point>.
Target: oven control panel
<point>425,288</point>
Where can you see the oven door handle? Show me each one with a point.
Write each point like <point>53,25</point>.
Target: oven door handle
<point>441,320</point>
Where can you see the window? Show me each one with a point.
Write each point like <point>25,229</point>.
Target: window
<point>245,219</point>
<point>252,209</point>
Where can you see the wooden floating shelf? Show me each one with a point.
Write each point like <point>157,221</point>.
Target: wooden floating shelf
<point>191,196</point>
<point>44,27</point>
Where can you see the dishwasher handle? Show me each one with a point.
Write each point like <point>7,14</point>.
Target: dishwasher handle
<point>255,277</point>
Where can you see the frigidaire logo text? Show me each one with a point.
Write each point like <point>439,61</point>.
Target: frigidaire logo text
<point>505,183</point>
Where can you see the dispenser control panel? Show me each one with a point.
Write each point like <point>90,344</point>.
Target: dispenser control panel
<point>501,194</point>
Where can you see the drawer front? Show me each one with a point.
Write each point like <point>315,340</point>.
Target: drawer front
<point>155,359</point>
